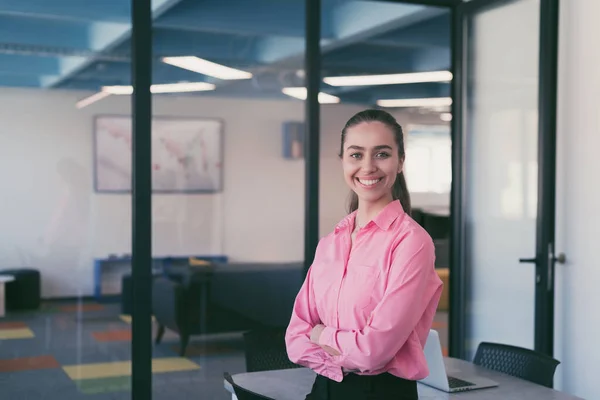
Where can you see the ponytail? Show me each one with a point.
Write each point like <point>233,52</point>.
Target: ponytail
<point>400,192</point>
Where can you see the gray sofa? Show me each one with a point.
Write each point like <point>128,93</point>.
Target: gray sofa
<point>263,292</point>
<point>225,298</point>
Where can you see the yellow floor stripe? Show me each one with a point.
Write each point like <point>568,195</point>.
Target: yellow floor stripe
<point>20,333</point>
<point>127,318</point>
<point>123,368</point>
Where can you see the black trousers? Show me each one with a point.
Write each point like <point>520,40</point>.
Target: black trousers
<point>364,387</point>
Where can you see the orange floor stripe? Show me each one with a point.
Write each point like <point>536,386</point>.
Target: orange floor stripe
<point>12,325</point>
<point>81,307</point>
<point>113,336</point>
<point>28,364</point>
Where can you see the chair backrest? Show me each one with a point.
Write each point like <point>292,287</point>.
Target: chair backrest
<point>266,351</point>
<point>517,361</point>
<point>241,393</point>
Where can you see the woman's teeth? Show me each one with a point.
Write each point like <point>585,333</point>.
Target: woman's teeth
<point>369,182</point>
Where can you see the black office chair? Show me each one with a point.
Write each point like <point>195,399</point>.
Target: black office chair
<point>517,361</point>
<point>266,351</point>
<point>241,393</point>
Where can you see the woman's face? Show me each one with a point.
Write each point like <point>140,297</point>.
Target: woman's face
<point>370,161</point>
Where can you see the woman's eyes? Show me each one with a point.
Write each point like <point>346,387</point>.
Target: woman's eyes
<point>382,154</point>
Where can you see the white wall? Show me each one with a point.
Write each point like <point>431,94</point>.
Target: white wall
<point>578,200</point>
<point>51,218</point>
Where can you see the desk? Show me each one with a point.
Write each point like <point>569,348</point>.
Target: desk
<point>294,384</point>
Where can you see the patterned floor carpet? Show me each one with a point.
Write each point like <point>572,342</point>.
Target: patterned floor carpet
<point>83,351</point>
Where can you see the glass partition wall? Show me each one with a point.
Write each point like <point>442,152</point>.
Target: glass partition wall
<point>227,186</point>
<point>65,257</point>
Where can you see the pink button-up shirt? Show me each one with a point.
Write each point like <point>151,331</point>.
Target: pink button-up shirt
<point>377,299</point>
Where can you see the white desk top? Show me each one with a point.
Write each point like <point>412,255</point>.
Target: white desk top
<point>295,384</point>
<point>6,278</point>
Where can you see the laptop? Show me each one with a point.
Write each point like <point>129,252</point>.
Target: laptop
<point>438,378</point>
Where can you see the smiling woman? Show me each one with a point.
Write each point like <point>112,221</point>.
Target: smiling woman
<point>366,307</point>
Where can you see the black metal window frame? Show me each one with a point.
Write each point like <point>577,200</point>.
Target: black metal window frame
<point>141,200</point>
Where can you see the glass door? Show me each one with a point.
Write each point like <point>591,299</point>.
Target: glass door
<point>505,98</point>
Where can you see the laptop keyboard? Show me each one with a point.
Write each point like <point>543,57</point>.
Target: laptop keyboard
<point>458,383</point>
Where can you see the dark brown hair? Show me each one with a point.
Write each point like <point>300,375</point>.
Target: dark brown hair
<point>399,190</point>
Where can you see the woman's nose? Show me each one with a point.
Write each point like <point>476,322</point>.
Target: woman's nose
<point>368,165</point>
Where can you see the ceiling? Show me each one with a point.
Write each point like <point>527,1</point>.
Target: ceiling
<point>85,45</point>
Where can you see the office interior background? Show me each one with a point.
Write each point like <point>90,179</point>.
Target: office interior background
<point>228,174</point>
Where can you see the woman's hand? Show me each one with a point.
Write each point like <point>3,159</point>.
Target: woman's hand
<point>315,334</point>
<point>331,351</point>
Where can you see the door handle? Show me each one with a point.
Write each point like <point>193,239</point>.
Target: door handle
<point>561,258</point>
<point>528,260</point>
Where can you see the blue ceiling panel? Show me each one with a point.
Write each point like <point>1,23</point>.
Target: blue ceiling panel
<point>28,81</point>
<point>371,94</point>
<point>119,73</point>
<point>105,36</point>
<point>105,10</point>
<point>85,44</point>
<point>44,32</point>
<point>233,50</point>
<point>355,17</point>
<point>257,17</point>
<point>434,32</point>
<point>205,45</point>
<point>366,59</point>
<point>29,65</point>
<point>275,49</point>
<point>414,91</point>
<point>350,22</point>
<point>88,84</point>
<point>432,60</point>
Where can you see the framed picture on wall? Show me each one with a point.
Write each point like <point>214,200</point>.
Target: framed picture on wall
<point>187,154</point>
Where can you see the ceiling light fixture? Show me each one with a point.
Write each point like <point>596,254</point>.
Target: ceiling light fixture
<point>389,79</point>
<point>118,90</point>
<point>300,93</point>
<point>181,87</point>
<point>446,117</point>
<point>425,102</point>
<point>91,99</point>
<point>206,67</point>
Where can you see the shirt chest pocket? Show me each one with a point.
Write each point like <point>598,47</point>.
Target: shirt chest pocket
<point>360,284</point>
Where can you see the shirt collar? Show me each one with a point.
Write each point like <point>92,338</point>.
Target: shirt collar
<point>383,220</point>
